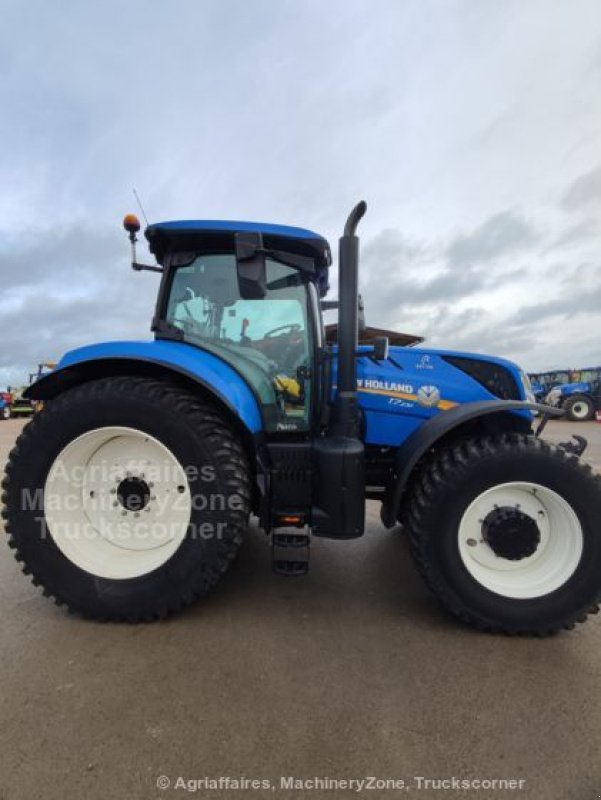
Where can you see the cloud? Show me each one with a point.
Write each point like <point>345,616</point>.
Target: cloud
<point>65,256</point>
<point>401,274</point>
<point>66,288</point>
<point>290,112</point>
<point>583,301</point>
<point>576,234</point>
<point>584,191</point>
<point>500,235</point>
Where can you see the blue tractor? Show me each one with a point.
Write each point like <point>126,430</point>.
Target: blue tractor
<point>580,397</point>
<point>128,495</point>
<point>543,382</point>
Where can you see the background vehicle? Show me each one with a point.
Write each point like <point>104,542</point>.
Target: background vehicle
<point>18,405</point>
<point>148,457</point>
<point>581,397</point>
<point>543,382</point>
<point>6,400</point>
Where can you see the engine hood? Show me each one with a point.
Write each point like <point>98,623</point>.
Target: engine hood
<point>414,384</point>
<point>574,388</point>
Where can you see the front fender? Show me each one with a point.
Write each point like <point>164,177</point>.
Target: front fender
<point>159,359</point>
<point>425,437</point>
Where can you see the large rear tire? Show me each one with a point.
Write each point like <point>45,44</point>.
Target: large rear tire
<point>506,532</point>
<point>126,498</point>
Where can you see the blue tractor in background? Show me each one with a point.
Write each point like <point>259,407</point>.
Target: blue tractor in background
<point>580,397</point>
<point>127,496</point>
<point>543,382</point>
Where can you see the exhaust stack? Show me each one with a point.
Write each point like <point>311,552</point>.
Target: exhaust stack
<point>345,416</point>
<point>339,457</point>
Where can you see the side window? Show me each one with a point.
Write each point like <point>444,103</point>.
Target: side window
<point>268,341</point>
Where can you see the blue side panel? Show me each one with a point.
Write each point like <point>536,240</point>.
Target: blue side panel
<point>199,364</point>
<point>413,385</point>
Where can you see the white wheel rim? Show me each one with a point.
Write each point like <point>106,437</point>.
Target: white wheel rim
<point>83,503</point>
<point>552,563</point>
<point>580,409</point>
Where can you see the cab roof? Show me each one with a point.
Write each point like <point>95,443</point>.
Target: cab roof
<point>208,235</point>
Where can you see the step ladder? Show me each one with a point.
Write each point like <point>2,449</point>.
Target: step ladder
<point>290,553</point>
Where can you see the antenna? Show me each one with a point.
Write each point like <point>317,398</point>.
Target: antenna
<point>140,204</point>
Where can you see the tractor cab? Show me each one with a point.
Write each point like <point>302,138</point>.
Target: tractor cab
<point>265,325</point>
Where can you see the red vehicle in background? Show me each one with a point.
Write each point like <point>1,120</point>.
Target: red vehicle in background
<point>12,402</point>
<point>6,401</point>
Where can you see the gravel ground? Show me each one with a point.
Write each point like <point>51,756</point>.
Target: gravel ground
<point>352,671</point>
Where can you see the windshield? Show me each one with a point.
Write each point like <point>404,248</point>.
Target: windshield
<point>555,378</point>
<point>266,340</point>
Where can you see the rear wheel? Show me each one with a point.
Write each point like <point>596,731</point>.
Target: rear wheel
<point>506,533</point>
<point>126,498</point>
<point>579,408</point>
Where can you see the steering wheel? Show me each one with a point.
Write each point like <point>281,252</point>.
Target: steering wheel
<point>294,327</point>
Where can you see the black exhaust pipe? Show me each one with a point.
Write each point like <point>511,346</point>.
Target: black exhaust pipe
<point>339,457</point>
<point>345,416</point>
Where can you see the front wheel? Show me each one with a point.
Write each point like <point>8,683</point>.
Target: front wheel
<point>579,408</point>
<point>506,533</point>
<point>126,498</point>
<point>5,413</point>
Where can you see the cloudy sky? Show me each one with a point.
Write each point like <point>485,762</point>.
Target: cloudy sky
<point>472,128</point>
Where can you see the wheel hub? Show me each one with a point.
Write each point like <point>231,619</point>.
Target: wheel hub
<point>133,493</point>
<point>117,502</point>
<point>510,533</point>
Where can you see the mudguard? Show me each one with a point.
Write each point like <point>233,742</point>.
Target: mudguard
<point>157,358</point>
<point>411,451</point>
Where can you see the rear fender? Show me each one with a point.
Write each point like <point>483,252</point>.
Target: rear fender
<point>160,359</point>
<point>432,431</point>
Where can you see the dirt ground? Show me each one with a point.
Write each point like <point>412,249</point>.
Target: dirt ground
<point>353,671</point>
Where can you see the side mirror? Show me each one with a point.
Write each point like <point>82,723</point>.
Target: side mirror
<point>361,324</point>
<point>250,266</point>
<point>381,345</point>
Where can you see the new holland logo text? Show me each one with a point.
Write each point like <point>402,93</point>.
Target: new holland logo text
<point>385,386</point>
